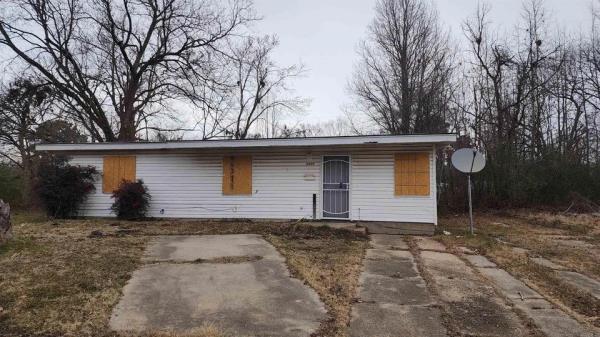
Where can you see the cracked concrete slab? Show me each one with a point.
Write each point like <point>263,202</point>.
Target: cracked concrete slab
<point>576,243</point>
<point>550,320</point>
<point>256,298</point>
<point>466,250</point>
<point>390,320</point>
<point>510,286</point>
<point>484,316</point>
<point>555,323</point>
<point>392,242</point>
<point>382,289</point>
<point>582,282</point>
<point>424,243</point>
<point>181,248</point>
<point>450,274</point>
<point>392,263</point>
<point>480,261</point>
<point>395,298</point>
<point>476,308</point>
<point>533,304</point>
<point>547,263</point>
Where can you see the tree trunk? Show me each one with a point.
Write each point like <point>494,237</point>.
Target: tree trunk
<point>127,131</point>
<point>5,225</point>
<point>127,113</point>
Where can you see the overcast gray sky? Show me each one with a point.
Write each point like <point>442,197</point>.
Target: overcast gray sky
<point>323,35</point>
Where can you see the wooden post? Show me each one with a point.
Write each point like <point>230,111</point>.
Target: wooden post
<point>5,225</point>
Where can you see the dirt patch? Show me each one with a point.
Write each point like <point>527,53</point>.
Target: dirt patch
<point>480,312</point>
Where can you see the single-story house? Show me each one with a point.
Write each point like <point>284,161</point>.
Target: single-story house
<point>365,178</point>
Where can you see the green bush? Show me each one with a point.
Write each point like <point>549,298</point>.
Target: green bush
<point>11,185</point>
<point>131,200</point>
<point>62,188</point>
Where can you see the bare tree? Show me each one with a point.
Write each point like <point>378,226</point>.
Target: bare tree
<point>24,105</point>
<point>403,80</point>
<point>261,87</point>
<point>116,63</point>
<point>335,127</point>
<point>589,71</point>
<point>510,81</point>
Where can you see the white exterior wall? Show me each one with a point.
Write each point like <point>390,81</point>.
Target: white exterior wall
<point>372,190</point>
<point>188,185</point>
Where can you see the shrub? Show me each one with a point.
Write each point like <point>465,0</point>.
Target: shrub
<point>10,185</point>
<point>62,188</point>
<point>131,200</point>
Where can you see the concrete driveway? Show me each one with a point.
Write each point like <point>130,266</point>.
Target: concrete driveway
<point>239,283</point>
<point>427,291</point>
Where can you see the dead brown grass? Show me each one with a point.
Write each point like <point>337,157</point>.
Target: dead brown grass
<point>541,234</point>
<point>331,266</point>
<point>208,330</point>
<point>58,280</point>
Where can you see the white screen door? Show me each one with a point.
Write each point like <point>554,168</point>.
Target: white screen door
<point>336,187</point>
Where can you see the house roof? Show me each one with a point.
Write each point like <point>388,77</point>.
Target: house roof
<point>255,143</point>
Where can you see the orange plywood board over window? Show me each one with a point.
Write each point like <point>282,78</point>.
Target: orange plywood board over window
<point>237,175</point>
<point>411,174</point>
<point>115,170</point>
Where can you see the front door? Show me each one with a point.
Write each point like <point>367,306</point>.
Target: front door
<point>336,187</point>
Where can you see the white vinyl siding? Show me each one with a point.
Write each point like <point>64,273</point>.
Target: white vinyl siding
<point>188,185</point>
<point>373,190</point>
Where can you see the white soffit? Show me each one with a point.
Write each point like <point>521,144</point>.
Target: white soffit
<point>255,143</point>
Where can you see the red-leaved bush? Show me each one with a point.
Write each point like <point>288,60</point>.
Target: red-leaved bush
<point>131,200</point>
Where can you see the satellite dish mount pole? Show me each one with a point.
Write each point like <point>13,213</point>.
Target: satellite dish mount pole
<point>471,226</point>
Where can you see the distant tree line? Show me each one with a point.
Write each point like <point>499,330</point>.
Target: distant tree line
<point>529,99</point>
<point>105,70</point>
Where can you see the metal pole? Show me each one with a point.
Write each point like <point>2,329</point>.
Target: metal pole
<point>470,206</point>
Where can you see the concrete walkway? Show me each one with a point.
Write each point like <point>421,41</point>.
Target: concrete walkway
<point>575,279</point>
<point>448,296</point>
<point>394,300</point>
<point>475,308</point>
<point>550,320</point>
<point>239,283</point>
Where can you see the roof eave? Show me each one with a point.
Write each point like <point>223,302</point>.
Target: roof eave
<point>258,143</point>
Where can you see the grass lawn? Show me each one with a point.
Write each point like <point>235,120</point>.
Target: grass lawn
<point>56,279</point>
<point>59,280</point>
<point>570,240</point>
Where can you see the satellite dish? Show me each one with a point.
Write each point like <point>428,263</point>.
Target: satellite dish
<point>468,161</point>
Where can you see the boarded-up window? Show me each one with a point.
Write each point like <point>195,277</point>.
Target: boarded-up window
<point>115,170</point>
<point>411,173</point>
<point>237,175</point>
